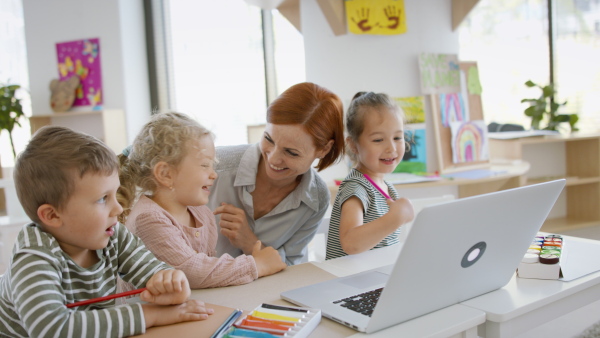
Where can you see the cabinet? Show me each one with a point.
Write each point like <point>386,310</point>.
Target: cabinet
<point>108,125</point>
<point>576,158</point>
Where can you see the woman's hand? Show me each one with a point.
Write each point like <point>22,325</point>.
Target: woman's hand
<point>234,226</point>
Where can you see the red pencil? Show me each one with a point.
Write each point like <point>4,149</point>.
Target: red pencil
<point>101,299</point>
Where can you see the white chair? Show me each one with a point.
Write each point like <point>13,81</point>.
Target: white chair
<point>317,247</point>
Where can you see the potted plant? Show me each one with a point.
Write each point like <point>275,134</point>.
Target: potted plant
<point>11,111</point>
<point>544,108</point>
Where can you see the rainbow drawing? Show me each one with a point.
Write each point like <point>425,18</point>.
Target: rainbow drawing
<point>469,141</point>
<point>452,108</point>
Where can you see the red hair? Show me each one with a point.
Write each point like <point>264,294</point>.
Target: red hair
<point>319,111</point>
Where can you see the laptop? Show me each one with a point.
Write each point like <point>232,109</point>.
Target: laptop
<point>454,251</point>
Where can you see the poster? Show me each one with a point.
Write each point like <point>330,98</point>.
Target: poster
<point>440,73</point>
<point>415,158</point>
<point>82,58</point>
<point>453,108</point>
<point>469,141</point>
<point>377,17</point>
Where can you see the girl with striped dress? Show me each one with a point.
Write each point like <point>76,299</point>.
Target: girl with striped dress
<point>367,212</point>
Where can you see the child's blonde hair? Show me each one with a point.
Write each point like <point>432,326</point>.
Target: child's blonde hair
<point>357,113</point>
<point>45,171</point>
<point>163,139</point>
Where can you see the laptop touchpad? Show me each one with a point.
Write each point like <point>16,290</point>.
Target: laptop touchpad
<point>366,280</point>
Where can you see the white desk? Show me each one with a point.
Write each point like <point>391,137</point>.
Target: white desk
<point>454,321</point>
<point>524,304</point>
<point>520,306</point>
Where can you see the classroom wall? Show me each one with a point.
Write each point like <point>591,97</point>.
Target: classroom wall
<point>350,63</point>
<point>120,26</point>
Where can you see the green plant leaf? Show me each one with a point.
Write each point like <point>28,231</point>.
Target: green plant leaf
<point>573,118</point>
<point>547,91</point>
<point>530,83</point>
<point>561,118</point>
<point>529,100</point>
<point>531,111</point>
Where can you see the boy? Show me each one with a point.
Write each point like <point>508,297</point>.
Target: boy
<point>67,184</point>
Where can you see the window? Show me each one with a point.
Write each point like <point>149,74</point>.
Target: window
<point>13,70</point>
<point>577,51</point>
<point>216,63</point>
<point>510,42</point>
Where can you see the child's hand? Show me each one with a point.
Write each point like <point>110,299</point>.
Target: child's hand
<point>268,261</point>
<point>167,287</point>
<point>157,315</point>
<point>234,226</point>
<point>402,210</point>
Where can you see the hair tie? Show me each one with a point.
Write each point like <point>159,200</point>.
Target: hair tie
<point>126,151</point>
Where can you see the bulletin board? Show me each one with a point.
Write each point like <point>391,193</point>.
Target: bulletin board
<point>471,96</point>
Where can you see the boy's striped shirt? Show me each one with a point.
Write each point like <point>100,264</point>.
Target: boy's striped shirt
<point>42,279</point>
<point>374,206</point>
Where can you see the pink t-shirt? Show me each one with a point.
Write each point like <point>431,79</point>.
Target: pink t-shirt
<point>190,249</point>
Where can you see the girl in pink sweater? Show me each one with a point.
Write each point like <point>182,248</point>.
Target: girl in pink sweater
<point>169,171</point>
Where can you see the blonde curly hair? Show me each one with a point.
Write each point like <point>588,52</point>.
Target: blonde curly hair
<point>163,139</point>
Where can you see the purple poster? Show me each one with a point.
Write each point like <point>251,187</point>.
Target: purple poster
<point>82,58</point>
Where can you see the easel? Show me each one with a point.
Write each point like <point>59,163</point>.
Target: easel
<point>443,135</point>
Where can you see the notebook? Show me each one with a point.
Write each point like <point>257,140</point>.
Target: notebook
<point>454,251</point>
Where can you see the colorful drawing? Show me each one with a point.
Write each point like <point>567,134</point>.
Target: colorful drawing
<point>473,81</point>
<point>469,141</point>
<point>378,17</point>
<point>82,58</point>
<point>415,159</point>
<point>413,107</point>
<point>439,73</point>
<point>453,108</point>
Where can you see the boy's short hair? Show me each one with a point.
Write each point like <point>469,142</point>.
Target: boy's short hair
<point>45,171</point>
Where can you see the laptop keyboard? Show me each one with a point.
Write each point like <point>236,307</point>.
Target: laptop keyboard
<point>362,303</point>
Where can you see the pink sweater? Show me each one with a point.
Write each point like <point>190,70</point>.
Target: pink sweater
<point>190,249</point>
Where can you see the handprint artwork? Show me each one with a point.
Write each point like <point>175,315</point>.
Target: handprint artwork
<point>380,17</point>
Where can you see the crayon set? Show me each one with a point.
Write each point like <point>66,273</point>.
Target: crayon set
<point>268,321</point>
<point>542,260</point>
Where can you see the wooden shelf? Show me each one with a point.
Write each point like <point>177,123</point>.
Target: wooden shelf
<point>571,181</point>
<point>581,170</point>
<point>561,224</point>
<point>108,125</point>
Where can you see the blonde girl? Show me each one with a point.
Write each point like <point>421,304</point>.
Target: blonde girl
<point>363,217</point>
<point>168,171</point>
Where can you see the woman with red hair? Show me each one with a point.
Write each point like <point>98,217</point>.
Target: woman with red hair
<point>269,191</point>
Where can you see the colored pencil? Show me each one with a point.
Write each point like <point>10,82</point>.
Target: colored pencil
<point>101,299</point>
<point>377,187</point>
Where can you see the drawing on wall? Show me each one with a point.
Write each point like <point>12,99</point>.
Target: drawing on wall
<point>469,141</point>
<point>82,58</point>
<point>377,17</point>
<point>453,108</point>
<point>439,73</point>
<point>413,107</point>
<point>473,82</point>
<point>415,158</point>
